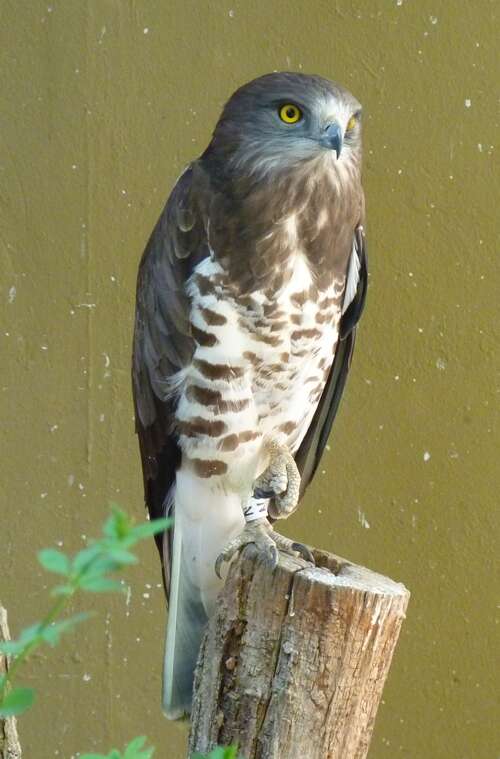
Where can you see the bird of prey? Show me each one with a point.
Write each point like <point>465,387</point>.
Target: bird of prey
<point>248,296</point>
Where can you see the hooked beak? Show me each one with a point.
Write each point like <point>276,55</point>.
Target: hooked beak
<point>333,138</point>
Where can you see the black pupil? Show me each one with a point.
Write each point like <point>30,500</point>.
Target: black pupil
<point>290,112</point>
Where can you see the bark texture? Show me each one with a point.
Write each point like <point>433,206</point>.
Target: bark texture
<point>294,661</point>
<point>9,742</point>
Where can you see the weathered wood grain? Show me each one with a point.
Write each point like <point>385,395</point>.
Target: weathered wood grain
<point>9,742</point>
<point>294,661</point>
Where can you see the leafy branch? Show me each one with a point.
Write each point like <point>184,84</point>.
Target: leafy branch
<point>89,570</point>
<point>135,750</point>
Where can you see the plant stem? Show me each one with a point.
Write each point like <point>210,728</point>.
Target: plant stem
<point>50,617</point>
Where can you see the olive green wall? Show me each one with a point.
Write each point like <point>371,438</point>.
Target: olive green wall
<point>103,103</point>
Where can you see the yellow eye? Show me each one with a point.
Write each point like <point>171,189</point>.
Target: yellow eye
<point>351,123</point>
<point>290,113</point>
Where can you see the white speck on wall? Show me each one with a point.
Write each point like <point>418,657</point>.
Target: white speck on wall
<point>107,362</point>
<point>427,456</point>
<point>396,377</point>
<point>81,486</point>
<point>363,520</point>
<point>128,598</point>
<point>480,147</point>
<point>101,417</point>
<point>86,678</point>
<point>12,294</point>
<point>433,20</point>
<point>440,364</point>
<point>44,347</point>
<point>467,102</point>
<point>43,495</point>
<point>145,30</point>
<point>71,480</point>
<point>54,427</point>
<point>60,543</point>
<point>145,595</point>
<point>231,13</point>
<point>399,2</point>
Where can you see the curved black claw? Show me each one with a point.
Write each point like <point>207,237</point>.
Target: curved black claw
<point>304,552</point>
<point>218,564</point>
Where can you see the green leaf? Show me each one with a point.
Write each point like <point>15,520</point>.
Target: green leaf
<point>147,529</point>
<point>85,557</point>
<point>17,702</point>
<point>122,557</point>
<point>52,634</point>
<point>100,585</point>
<point>54,561</point>
<point>11,647</point>
<point>118,524</point>
<point>134,750</point>
<point>101,564</point>
<point>95,563</point>
<point>27,636</point>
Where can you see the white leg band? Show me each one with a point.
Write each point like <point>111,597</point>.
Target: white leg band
<point>256,508</point>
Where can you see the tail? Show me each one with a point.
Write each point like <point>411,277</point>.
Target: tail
<point>205,520</point>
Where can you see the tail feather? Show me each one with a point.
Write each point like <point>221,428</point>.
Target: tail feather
<point>204,522</point>
<point>186,621</point>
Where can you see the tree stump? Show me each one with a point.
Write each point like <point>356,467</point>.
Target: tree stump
<point>294,660</point>
<point>9,742</point>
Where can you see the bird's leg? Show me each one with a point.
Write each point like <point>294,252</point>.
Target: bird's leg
<point>268,543</point>
<point>280,481</point>
<point>259,532</point>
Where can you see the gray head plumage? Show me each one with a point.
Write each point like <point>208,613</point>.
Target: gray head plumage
<point>252,136</point>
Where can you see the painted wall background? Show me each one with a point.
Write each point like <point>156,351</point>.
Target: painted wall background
<point>102,104</point>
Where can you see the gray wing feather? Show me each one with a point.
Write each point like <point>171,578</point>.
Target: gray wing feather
<point>162,340</point>
<point>313,444</point>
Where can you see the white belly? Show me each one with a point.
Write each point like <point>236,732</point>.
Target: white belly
<point>258,371</point>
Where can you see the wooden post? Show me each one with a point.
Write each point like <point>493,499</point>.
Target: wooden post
<point>294,661</point>
<point>9,742</point>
